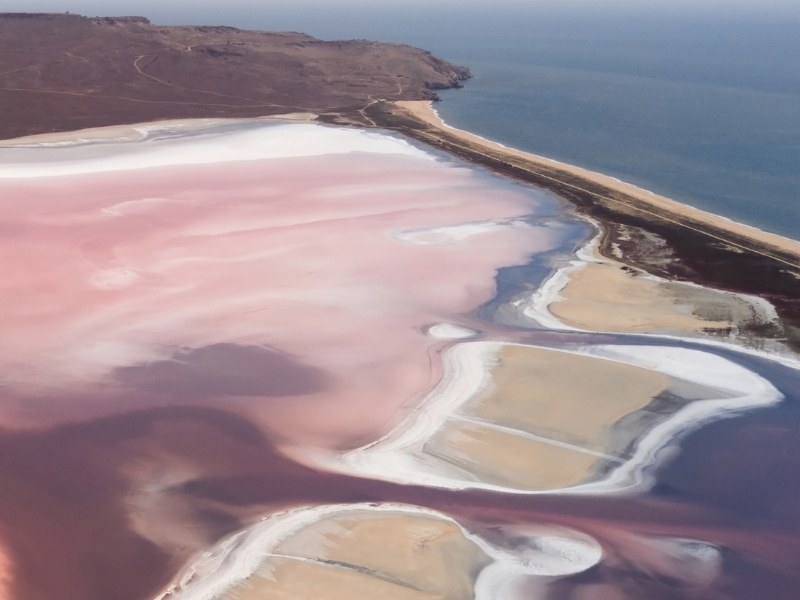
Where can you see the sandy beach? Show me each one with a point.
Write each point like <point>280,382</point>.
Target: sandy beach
<point>545,421</point>
<point>424,111</point>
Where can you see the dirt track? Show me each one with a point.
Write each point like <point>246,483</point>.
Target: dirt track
<point>67,72</point>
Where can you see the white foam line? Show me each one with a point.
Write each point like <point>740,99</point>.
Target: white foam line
<point>773,356</point>
<point>111,134</point>
<point>106,135</point>
<point>466,372</point>
<point>238,557</point>
<point>398,456</point>
<point>536,307</point>
<point>260,142</point>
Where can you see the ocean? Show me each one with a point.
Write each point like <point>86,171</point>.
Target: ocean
<point>698,104</point>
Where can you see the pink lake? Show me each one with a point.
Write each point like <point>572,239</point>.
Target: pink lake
<point>330,248</point>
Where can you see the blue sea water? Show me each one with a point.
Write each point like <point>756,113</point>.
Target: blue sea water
<point>699,105</point>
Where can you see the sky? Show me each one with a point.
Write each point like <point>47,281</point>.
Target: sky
<point>194,9</point>
<point>418,22</point>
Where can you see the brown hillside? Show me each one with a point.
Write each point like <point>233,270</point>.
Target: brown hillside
<point>62,72</point>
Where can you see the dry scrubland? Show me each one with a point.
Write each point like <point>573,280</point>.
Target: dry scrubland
<point>67,72</point>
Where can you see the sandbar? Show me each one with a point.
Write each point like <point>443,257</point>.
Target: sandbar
<point>424,111</point>
<point>604,297</point>
<point>594,293</point>
<point>570,397</point>
<point>377,550</point>
<point>570,401</point>
<point>566,403</point>
<point>363,554</point>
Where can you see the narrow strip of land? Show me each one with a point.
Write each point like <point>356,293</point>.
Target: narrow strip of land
<point>605,188</point>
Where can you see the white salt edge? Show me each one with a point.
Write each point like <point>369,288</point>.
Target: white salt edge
<point>398,456</point>
<point>267,141</point>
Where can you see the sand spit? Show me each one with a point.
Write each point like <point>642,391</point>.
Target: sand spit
<point>602,297</point>
<point>424,111</point>
<point>593,293</point>
<point>253,563</point>
<point>403,455</point>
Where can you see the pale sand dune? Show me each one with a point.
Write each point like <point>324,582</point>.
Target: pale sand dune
<point>594,293</point>
<point>568,397</point>
<point>425,112</point>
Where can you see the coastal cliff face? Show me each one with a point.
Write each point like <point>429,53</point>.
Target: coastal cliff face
<point>61,72</point>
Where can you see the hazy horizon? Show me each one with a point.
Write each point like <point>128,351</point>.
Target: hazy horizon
<point>206,12</point>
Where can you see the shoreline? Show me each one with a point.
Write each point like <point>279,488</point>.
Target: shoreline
<point>641,230</point>
<point>425,111</point>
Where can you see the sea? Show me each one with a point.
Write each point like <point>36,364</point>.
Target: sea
<point>699,102</point>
